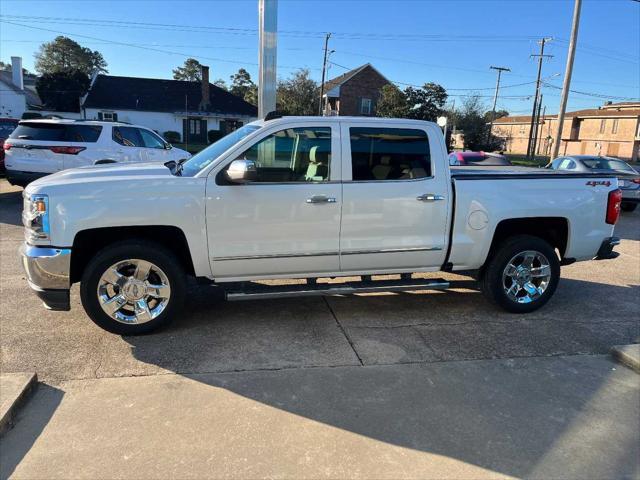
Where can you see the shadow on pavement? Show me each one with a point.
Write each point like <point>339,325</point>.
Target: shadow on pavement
<point>11,211</point>
<point>31,421</point>
<point>503,420</point>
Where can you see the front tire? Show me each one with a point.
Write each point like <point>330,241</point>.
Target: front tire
<point>132,288</point>
<point>522,274</point>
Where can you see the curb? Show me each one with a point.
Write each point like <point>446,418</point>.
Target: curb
<point>15,389</point>
<point>628,355</point>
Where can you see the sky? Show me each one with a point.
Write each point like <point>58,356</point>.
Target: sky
<point>450,42</point>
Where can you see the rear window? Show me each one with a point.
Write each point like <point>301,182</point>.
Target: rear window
<point>53,132</point>
<point>6,128</point>
<point>606,164</point>
<point>389,154</point>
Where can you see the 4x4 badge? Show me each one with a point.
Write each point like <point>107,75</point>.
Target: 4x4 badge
<point>593,183</point>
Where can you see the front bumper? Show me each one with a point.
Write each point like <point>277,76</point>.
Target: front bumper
<point>606,249</point>
<point>48,273</point>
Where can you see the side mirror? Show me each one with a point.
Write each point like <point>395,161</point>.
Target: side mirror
<point>168,146</point>
<point>242,171</point>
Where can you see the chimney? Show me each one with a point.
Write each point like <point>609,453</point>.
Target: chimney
<point>16,72</point>
<point>205,102</point>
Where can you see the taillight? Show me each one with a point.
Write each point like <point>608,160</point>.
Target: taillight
<point>613,206</point>
<point>67,150</point>
<point>6,146</point>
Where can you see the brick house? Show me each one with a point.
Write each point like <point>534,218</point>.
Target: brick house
<point>354,93</point>
<point>613,129</point>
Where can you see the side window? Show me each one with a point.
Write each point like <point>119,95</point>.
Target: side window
<point>83,133</point>
<point>292,155</point>
<point>389,154</point>
<point>127,136</point>
<point>150,139</point>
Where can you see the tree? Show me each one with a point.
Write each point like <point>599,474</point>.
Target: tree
<point>241,83</point>
<point>298,95</point>
<point>426,103</point>
<point>220,83</point>
<point>392,103</point>
<point>191,71</point>
<point>61,91</point>
<point>471,119</point>
<point>499,114</point>
<point>64,55</point>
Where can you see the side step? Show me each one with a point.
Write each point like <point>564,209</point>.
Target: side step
<point>259,291</point>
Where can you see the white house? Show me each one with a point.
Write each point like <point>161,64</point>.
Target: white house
<point>189,108</point>
<point>18,94</point>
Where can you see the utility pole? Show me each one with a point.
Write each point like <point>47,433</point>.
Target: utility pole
<point>537,129</point>
<point>324,70</point>
<point>495,97</point>
<point>566,84</point>
<point>541,56</point>
<point>541,131</point>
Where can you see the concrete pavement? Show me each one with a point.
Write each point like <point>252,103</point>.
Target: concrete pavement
<point>562,417</point>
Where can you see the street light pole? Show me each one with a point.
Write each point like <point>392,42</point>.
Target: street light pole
<point>268,39</point>
<point>566,84</point>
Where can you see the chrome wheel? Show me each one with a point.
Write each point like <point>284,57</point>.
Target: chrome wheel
<point>526,276</point>
<point>133,291</point>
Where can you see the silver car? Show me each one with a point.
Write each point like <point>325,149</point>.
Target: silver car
<point>628,177</point>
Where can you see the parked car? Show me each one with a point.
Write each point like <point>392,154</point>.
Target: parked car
<point>307,197</point>
<point>477,158</point>
<point>7,125</point>
<point>41,147</point>
<point>628,177</point>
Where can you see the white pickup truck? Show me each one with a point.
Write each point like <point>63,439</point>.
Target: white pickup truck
<point>307,198</point>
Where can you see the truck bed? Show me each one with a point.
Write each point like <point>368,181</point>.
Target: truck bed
<point>515,172</point>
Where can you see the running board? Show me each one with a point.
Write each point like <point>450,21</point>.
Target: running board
<point>259,291</point>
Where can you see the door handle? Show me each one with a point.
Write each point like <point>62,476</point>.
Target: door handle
<point>321,199</point>
<point>430,197</point>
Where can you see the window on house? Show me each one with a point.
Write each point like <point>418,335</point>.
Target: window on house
<point>365,106</point>
<point>522,128</point>
<point>389,154</point>
<point>108,116</point>
<point>614,127</point>
<point>603,125</point>
<point>194,126</point>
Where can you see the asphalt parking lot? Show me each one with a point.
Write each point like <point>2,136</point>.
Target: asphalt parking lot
<point>594,308</point>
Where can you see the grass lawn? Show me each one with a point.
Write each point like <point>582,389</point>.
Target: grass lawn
<point>538,161</point>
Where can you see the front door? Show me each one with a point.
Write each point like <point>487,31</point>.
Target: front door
<point>130,147</point>
<point>395,199</point>
<point>287,221</point>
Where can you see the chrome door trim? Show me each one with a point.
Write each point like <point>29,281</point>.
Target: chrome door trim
<point>391,250</point>
<point>263,257</point>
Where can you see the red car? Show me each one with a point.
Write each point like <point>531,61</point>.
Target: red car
<point>7,125</point>
<point>478,158</point>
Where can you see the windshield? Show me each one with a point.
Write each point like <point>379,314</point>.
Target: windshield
<point>607,164</point>
<point>213,151</point>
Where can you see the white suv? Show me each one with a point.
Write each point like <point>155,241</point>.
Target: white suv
<point>40,147</point>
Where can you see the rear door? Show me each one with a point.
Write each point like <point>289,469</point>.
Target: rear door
<point>395,197</point>
<point>129,144</point>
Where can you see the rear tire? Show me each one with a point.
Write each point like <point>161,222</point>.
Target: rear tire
<point>133,287</point>
<point>628,207</point>
<point>521,275</point>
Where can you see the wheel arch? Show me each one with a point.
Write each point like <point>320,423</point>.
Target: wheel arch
<point>87,243</point>
<point>554,230</point>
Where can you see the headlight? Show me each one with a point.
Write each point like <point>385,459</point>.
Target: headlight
<point>35,217</point>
